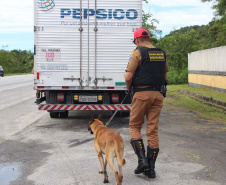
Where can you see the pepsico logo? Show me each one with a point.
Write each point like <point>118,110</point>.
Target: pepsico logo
<point>46,5</point>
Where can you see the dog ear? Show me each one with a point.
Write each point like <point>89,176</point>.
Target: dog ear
<point>91,119</point>
<point>100,117</point>
<point>90,122</point>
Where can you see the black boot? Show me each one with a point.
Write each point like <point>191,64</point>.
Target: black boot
<point>138,147</point>
<point>152,154</point>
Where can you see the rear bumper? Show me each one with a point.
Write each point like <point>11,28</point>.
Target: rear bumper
<point>104,107</point>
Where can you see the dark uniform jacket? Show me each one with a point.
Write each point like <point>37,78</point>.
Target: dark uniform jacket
<point>151,72</point>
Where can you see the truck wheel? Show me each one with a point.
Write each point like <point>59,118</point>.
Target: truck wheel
<point>64,114</point>
<point>54,114</point>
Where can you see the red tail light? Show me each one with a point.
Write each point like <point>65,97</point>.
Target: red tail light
<point>110,87</point>
<point>37,75</point>
<point>60,97</point>
<point>115,98</point>
<point>65,87</point>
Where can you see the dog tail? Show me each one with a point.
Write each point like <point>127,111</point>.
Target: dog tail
<point>119,154</point>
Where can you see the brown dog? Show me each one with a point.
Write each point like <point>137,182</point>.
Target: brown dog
<point>110,143</point>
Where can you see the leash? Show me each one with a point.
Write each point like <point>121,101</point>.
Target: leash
<point>127,93</point>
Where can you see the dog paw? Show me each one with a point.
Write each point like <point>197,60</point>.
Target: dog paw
<point>101,172</point>
<point>106,181</point>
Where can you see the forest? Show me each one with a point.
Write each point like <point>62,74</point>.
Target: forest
<point>177,44</point>
<point>16,61</point>
<point>180,42</point>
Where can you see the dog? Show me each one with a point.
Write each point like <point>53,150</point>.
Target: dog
<point>111,144</point>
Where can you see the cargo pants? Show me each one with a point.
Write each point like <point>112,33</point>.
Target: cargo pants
<point>147,103</point>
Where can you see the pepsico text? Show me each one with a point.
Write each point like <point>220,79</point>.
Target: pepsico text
<point>101,14</point>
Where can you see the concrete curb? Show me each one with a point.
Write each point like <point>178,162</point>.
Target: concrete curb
<point>205,99</point>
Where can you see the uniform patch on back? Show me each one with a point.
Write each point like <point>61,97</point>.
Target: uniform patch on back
<point>156,56</point>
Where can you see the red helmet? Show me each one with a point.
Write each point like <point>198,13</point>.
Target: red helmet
<point>141,32</point>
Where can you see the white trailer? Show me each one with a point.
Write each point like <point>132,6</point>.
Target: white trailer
<point>81,50</point>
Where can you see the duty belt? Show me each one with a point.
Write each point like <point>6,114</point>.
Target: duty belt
<point>157,88</point>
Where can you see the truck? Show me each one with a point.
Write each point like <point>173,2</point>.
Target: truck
<point>81,51</point>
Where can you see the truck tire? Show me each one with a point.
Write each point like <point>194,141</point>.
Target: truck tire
<point>54,114</point>
<point>64,114</point>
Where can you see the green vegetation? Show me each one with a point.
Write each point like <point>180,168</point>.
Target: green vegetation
<point>149,24</point>
<point>11,74</point>
<point>16,61</point>
<point>219,6</point>
<point>205,111</point>
<point>205,91</point>
<point>179,43</point>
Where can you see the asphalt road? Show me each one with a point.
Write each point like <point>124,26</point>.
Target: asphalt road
<point>35,149</point>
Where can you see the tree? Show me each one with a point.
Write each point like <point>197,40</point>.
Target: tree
<point>217,32</point>
<point>220,6</point>
<point>149,24</point>
<point>16,61</point>
<point>177,46</point>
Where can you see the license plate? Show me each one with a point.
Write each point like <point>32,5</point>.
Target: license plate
<point>87,98</point>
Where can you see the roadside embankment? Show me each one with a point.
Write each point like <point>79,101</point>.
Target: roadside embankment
<point>205,99</point>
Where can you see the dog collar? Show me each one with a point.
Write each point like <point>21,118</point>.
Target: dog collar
<point>96,127</point>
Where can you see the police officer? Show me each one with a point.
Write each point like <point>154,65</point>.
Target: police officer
<point>146,74</point>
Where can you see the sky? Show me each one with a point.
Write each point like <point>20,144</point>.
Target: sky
<point>17,27</point>
<point>174,14</point>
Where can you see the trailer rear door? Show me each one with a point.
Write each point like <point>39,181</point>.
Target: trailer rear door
<point>84,43</point>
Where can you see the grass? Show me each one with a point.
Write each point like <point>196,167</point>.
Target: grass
<point>203,91</point>
<point>11,74</point>
<point>177,99</point>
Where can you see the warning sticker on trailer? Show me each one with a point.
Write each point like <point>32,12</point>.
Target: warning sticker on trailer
<point>51,55</point>
<point>120,84</point>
